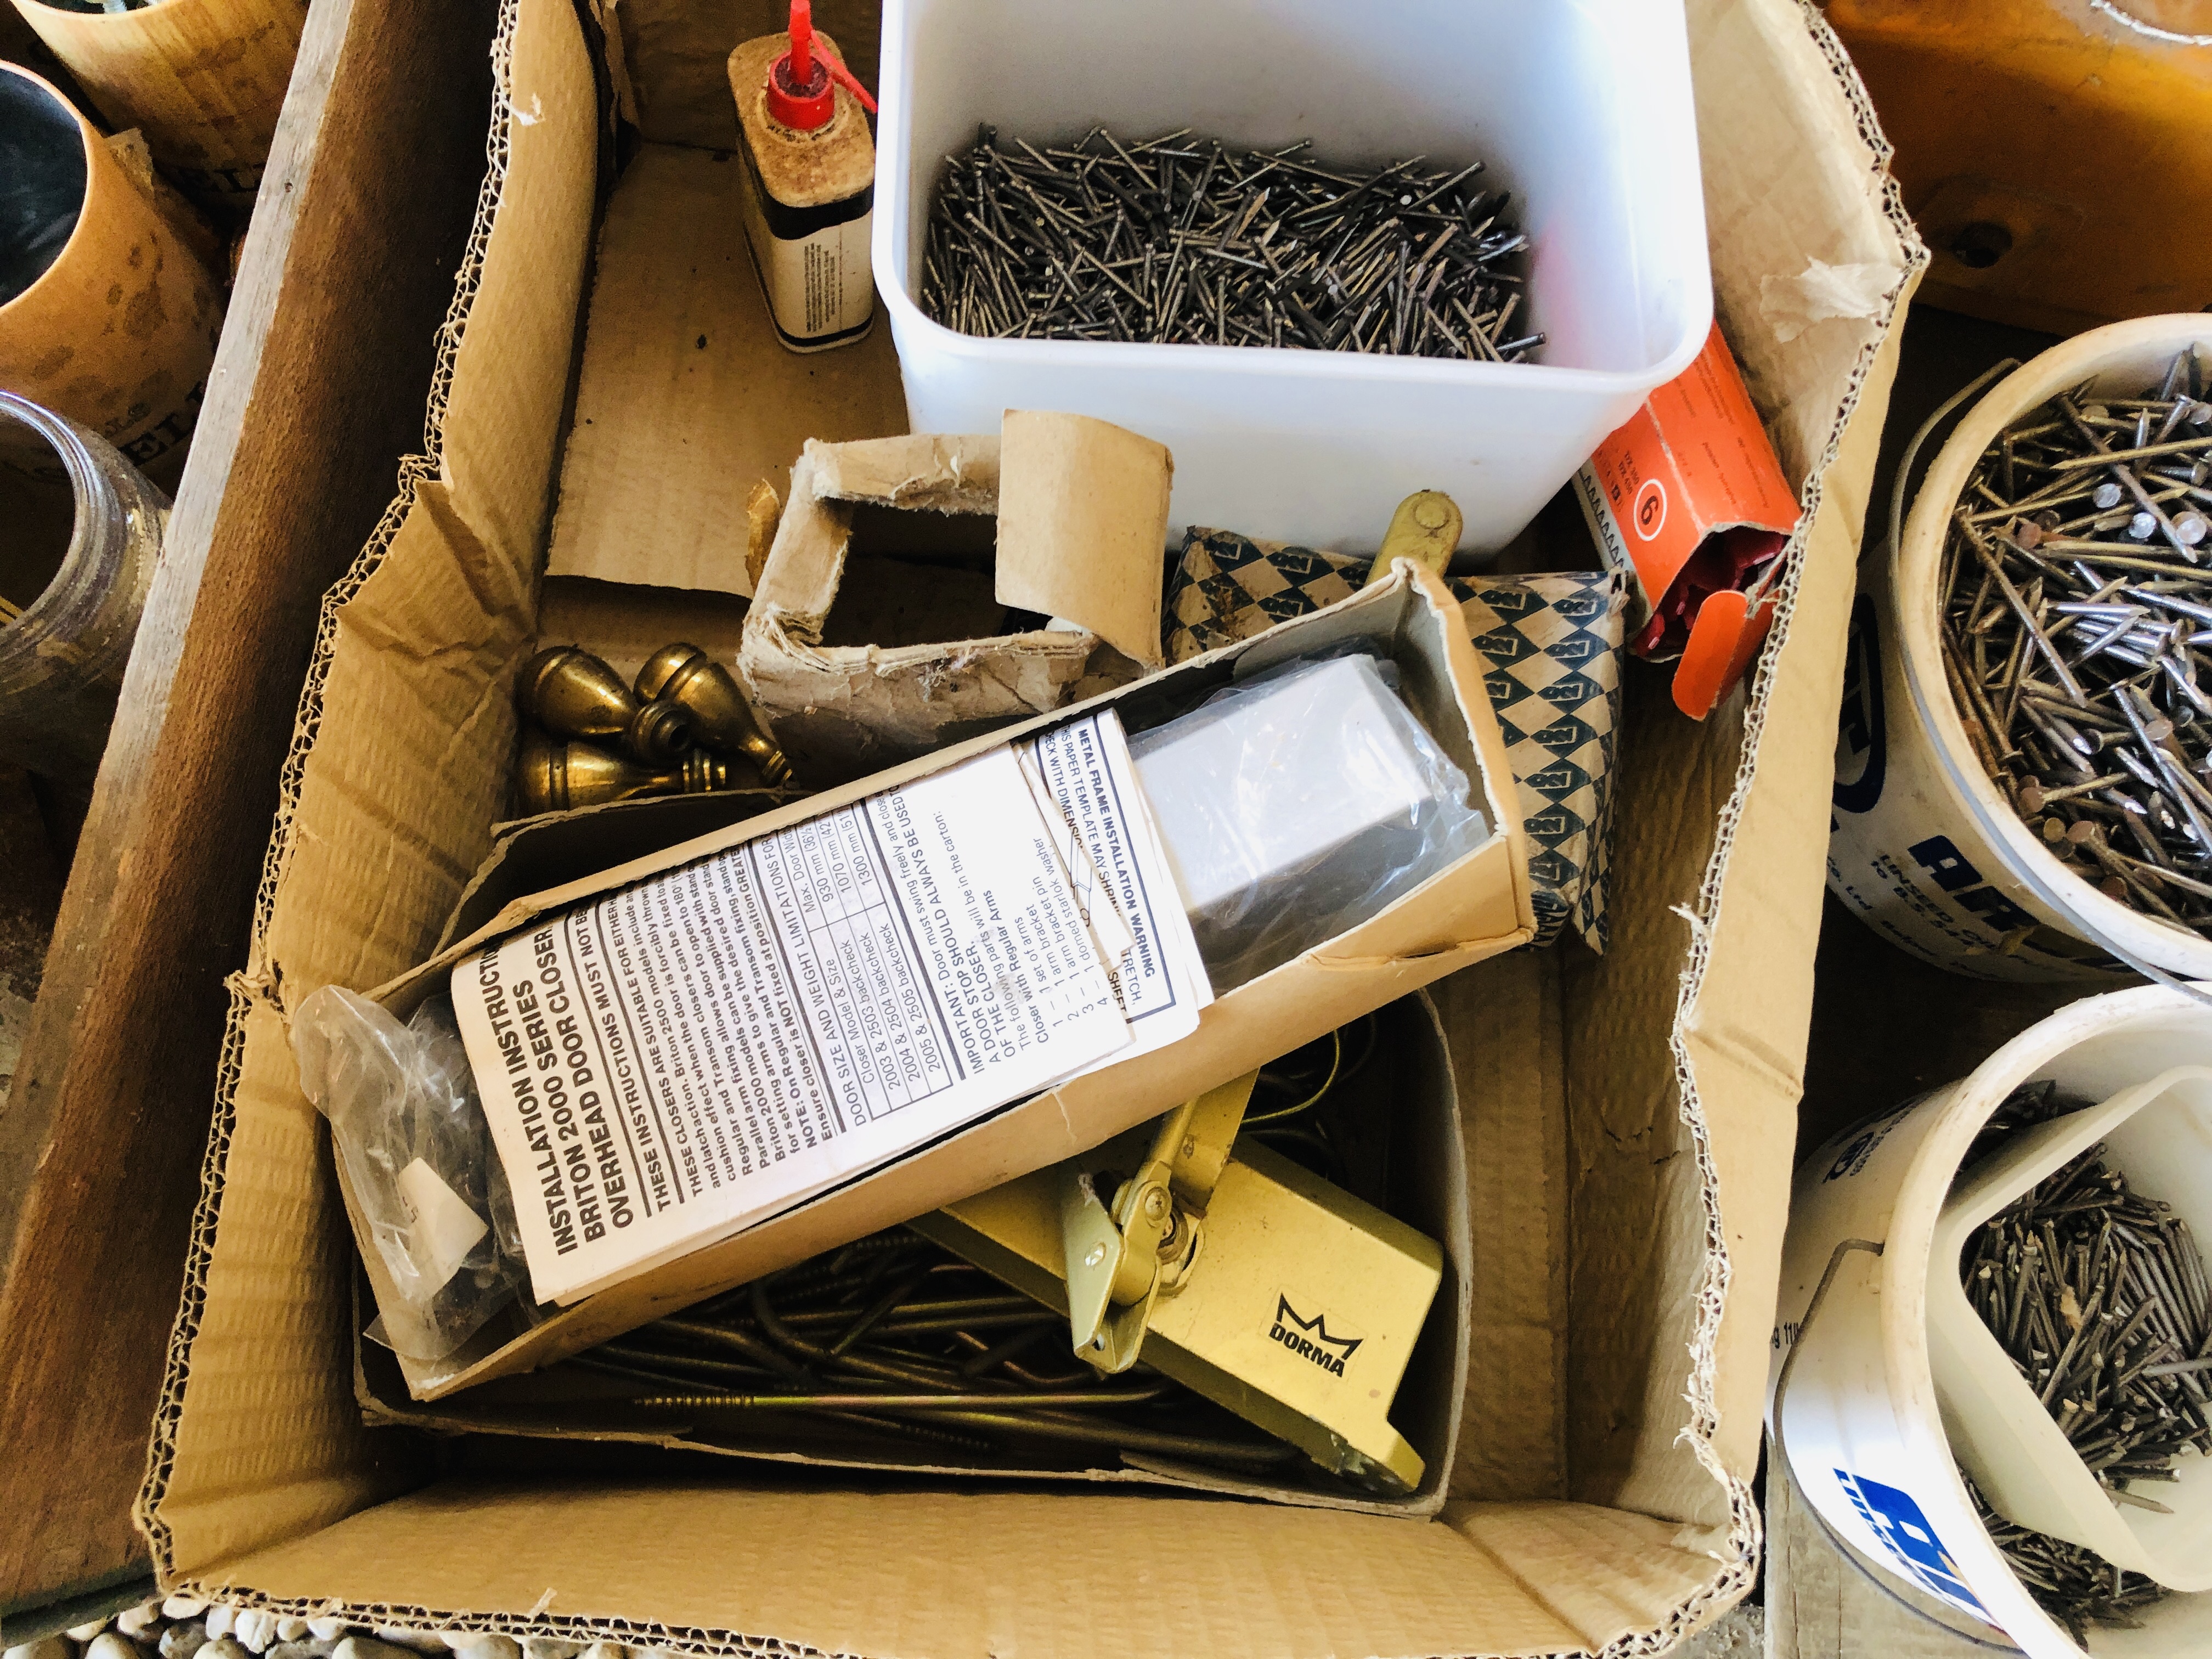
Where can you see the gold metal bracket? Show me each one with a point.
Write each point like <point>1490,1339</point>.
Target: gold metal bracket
<point>1120,1260</point>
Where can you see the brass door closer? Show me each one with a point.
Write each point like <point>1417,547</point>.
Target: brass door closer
<point>1228,1267</point>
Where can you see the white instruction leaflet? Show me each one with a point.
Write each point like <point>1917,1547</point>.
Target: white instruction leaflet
<point>1123,882</point>
<point>666,1066</point>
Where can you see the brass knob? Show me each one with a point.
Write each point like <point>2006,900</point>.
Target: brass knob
<point>572,693</point>
<point>557,776</point>
<point>724,721</point>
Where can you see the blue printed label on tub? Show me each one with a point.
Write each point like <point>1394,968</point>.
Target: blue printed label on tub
<point>1902,1527</point>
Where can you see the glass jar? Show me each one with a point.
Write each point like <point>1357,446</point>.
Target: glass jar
<point>61,657</point>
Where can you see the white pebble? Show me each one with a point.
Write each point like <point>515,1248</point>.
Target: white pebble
<point>46,1647</point>
<point>606,1650</point>
<point>291,1628</point>
<point>184,1607</point>
<point>108,1646</point>
<point>422,1641</point>
<point>220,1620</point>
<point>255,1629</point>
<point>221,1647</point>
<point>86,1632</point>
<point>182,1640</point>
<point>132,1621</point>
<point>487,1647</point>
<point>327,1630</point>
<point>545,1647</point>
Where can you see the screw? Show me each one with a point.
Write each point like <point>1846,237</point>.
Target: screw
<point>1981,244</point>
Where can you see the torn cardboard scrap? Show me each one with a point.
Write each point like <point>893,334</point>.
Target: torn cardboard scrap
<point>1079,521</point>
<point>696,1052</point>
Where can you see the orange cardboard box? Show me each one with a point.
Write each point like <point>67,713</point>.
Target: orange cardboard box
<point>1688,499</point>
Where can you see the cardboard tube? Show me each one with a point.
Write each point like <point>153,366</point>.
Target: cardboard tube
<point>118,330</point>
<point>202,79</point>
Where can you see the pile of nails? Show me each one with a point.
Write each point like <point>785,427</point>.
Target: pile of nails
<point>2077,1586</point>
<point>2077,584</point>
<point>893,1337</point>
<point>1180,240</point>
<point>2098,1296</point>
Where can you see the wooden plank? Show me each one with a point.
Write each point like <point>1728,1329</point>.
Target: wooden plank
<point>318,389</point>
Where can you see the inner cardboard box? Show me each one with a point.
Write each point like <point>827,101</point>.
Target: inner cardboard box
<point>1402,1137</point>
<point>920,579</point>
<point>1626,1120</point>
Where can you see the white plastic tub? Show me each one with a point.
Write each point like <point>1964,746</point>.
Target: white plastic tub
<point>2158,1134</point>
<point>1584,112</point>
<point>1925,849</point>
<point>1861,1421</point>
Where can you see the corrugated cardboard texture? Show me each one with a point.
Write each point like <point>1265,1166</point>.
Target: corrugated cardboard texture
<point>1681,1181</point>
<point>687,401</point>
<point>455,549</point>
<point>265,1440</point>
<point>1513,1117</point>
<point>1674,1182</point>
<point>1062,1575</point>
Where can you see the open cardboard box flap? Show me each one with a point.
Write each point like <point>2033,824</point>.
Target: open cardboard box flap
<point>1083,520</point>
<point>1629,1117</point>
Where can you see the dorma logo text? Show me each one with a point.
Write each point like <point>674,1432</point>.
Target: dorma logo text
<point>1309,1339</point>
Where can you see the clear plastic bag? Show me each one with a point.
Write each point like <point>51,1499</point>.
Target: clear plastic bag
<point>406,1120</point>
<point>1298,804</point>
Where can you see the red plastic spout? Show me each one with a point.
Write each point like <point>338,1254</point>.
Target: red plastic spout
<point>801,84</point>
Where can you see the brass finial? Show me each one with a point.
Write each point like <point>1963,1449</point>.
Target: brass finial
<point>724,721</point>
<point>557,776</point>
<point>572,693</point>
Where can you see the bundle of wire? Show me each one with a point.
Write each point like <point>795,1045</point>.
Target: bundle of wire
<point>895,1338</point>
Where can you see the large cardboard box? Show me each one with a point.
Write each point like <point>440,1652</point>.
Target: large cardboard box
<point>1627,1119</point>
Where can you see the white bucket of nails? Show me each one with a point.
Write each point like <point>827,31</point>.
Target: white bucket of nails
<point>1889,1380</point>
<point>1924,847</point>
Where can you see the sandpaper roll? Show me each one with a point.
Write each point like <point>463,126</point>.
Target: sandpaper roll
<point>105,314</point>
<point>204,80</point>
